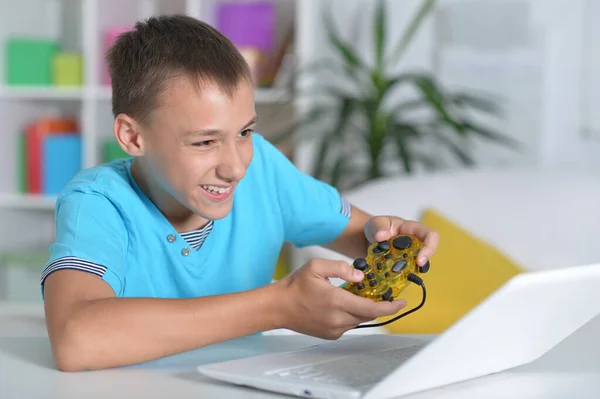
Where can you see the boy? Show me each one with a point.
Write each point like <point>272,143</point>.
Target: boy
<point>175,247</point>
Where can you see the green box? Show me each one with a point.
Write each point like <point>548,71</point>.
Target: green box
<point>29,61</point>
<point>113,151</point>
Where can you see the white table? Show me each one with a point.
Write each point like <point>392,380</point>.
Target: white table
<point>571,370</point>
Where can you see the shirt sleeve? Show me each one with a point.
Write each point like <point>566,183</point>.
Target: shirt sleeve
<point>313,212</point>
<point>90,236</point>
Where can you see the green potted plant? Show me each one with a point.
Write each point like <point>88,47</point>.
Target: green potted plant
<point>360,128</point>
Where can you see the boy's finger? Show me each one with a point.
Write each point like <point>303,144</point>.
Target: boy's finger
<point>337,269</point>
<point>367,309</point>
<point>431,242</point>
<point>430,239</point>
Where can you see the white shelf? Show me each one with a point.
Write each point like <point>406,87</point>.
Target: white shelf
<point>103,93</point>
<point>41,93</point>
<point>27,201</point>
<point>79,26</point>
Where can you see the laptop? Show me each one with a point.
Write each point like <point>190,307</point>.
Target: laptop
<point>518,323</point>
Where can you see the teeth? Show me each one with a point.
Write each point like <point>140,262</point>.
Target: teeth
<point>217,190</point>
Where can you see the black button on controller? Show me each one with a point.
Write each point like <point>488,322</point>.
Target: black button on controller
<point>360,264</point>
<point>399,266</point>
<point>382,246</point>
<point>387,295</point>
<point>402,242</point>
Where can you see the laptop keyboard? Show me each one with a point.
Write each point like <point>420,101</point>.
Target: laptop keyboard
<point>353,371</point>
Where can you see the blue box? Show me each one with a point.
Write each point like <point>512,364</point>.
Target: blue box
<point>61,161</point>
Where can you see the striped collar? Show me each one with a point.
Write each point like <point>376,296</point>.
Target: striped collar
<point>195,238</point>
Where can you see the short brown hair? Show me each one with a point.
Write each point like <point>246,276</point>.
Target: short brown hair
<point>142,61</point>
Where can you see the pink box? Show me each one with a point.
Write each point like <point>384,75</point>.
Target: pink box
<point>110,36</point>
<point>249,24</point>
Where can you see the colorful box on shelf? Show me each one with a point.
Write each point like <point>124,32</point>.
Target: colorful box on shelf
<point>248,24</point>
<point>251,28</point>
<point>39,148</point>
<point>110,37</point>
<point>29,61</point>
<point>22,163</point>
<point>67,69</point>
<point>62,161</point>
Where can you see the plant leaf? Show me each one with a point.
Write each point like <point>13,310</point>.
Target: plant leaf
<point>312,116</point>
<point>480,103</point>
<point>409,105</point>
<point>338,171</point>
<point>401,146</point>
<point>380,27</point>
<point>492,135</point>
<point>360,77</point>
<point>461,154</point>
<point>325,64</point>
<point>344,111</point>
<point>344,50</point>
<point>319,166</point>
<point>434,95</point>
<point>312,70</point>
<point>430,162</point>
<point>409,130</point>
<point>411,30</point>
<point>327,91</point>
<point>389,83</point>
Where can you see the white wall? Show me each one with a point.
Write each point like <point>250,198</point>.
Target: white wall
<point>540,54</point>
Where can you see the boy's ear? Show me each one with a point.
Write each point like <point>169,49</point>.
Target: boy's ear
<point>127,133</point>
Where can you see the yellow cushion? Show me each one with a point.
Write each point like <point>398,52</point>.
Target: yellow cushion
<point>464,271</point>
<point>283,266</point>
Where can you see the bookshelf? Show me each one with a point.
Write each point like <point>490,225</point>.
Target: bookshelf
<point>79,26</point>
<point>35,202</point>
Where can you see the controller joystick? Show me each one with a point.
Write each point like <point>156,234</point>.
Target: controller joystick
<point>387,267</point>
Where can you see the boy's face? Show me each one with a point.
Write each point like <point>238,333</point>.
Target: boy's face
<point>199,145</point>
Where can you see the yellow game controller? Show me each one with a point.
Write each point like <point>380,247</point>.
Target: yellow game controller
<point>390,266</point>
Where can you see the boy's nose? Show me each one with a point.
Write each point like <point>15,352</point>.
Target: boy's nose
<point>232,166</point>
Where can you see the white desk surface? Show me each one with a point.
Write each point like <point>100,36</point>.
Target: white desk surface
<point>571,370</point>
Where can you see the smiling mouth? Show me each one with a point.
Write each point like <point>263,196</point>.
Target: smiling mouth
<point>216,189</point>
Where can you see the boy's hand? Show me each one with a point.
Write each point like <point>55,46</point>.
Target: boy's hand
<point>313,306</point>
<point>380,228</point>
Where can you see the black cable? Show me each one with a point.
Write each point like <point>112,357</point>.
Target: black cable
<point>413,278</point>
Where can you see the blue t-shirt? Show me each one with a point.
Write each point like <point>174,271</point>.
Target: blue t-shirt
<point>107,226</point>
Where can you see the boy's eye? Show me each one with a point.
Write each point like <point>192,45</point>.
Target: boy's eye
<point>203,143</point>
<point>246,133</point>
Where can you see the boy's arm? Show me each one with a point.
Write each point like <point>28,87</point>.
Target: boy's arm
<point>352,242</point>
<point>90,328</point>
